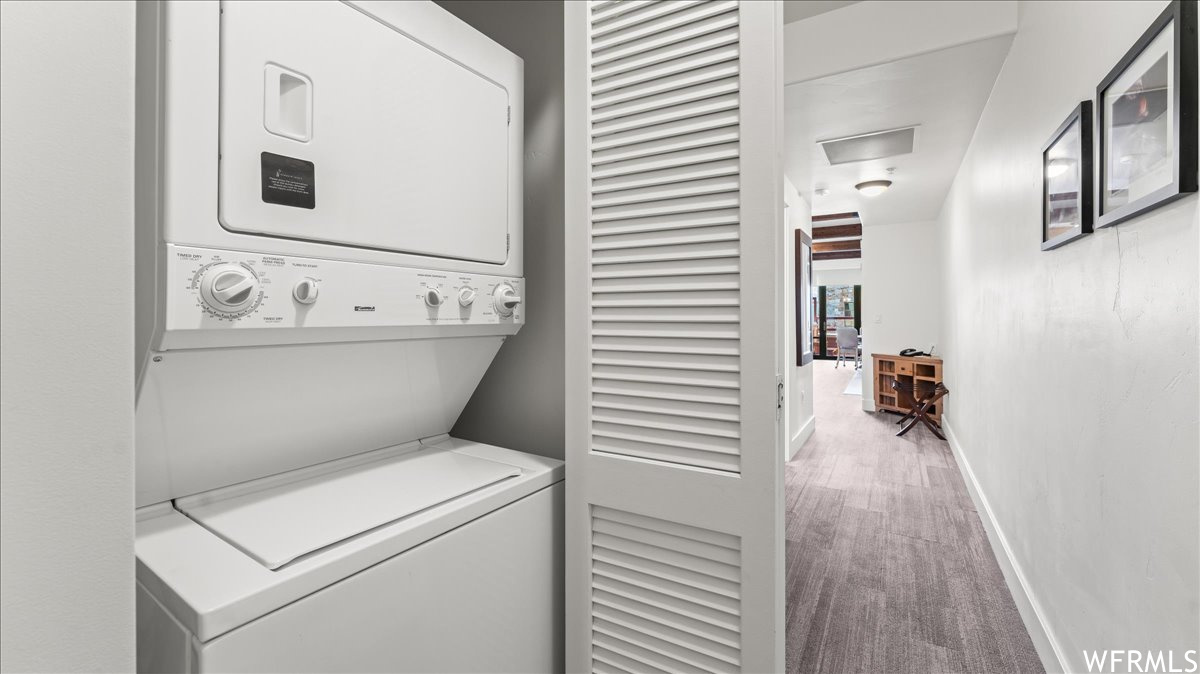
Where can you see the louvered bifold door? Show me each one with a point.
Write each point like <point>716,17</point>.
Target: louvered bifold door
<point>674,332</point>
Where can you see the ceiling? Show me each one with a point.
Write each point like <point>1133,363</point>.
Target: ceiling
<point>798,10</point>
<point>942,92</point>
<point>836,236</point>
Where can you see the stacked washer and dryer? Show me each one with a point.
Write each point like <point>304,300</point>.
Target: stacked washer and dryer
<point>329,258</point>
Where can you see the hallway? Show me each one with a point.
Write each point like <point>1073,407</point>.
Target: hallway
<point>888,565</point>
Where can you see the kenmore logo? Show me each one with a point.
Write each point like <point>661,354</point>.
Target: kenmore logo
<point>359,308</point>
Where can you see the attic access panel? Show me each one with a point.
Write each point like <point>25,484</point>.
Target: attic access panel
<point>875,145</point>
<point>338,128</point>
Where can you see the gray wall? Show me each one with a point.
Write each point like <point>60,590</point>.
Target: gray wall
<point>1073,373</point>
<point>66,336</point>
<point>519,404</point>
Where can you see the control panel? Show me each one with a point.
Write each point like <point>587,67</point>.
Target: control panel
<point>217,289</point>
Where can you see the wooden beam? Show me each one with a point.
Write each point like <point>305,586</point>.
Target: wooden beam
<point>835,216</point>
<point>838,255</point>
<point>831,246</point>
<point>836,232</point>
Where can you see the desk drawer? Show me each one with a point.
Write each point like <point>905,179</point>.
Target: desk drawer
<point>904,367</point>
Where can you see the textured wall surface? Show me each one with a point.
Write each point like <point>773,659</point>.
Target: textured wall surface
<point>901,294</point>
<point>66,328</point>
<point>799,385</point>
<point>1073,373</point>
<point>519,403</point>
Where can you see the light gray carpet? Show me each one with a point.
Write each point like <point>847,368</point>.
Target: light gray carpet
<point>888,565</point>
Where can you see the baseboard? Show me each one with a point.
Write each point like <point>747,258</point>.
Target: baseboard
<point>1053,658</point>
<point>797,441</point>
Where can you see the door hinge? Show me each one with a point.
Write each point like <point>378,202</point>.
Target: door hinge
<point>779,398</point>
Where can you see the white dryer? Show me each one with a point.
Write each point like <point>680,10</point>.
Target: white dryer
<point>329,258</point>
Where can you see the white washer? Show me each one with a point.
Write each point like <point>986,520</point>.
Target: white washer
<point>329,258</point>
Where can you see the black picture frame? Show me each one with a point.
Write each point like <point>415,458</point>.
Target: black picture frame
<point>1183,119</point>
<point>803,262</point>
<point>1081,115</point>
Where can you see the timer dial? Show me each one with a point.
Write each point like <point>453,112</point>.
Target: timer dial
<point>229,289</point>
<point>434,297</point>
<point>505,299</point>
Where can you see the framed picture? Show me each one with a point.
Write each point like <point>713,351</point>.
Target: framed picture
<point>1146,114</point>
<point>1067,180</point>
<point>804,316</point>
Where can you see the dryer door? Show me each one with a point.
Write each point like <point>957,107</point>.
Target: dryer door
<point>338,128</point>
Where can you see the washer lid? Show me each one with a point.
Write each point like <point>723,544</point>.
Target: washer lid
<point>278,519</point>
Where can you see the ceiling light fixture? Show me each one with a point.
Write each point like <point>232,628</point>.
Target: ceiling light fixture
<point>1057,167</point>
<point>821,191</point>
<point>873,188</point>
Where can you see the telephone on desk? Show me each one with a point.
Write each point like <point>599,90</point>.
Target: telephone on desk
<point>914,352</point>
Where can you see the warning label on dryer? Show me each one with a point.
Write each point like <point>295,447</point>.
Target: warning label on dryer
<point>288,181</point>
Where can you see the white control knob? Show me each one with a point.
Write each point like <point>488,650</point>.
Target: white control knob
<point>505,299</point>
<point>305,291</point>
<point>466,296</point>
<point>433,297</point>
<point>229,288</point>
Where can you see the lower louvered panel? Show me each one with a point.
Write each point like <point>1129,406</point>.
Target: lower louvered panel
<point>661,391</point>
<point>650,284</point>
<point>666,176</point>
<point>681,298</point>
<point>649,419</point>
<point>661,146</point>
<point>678,361</point>
<point>701,155</point>
<point>663,223</point>
<point>653,343</point>
<point>665,596</point>
<point>665,454</point>
<point>601,402</point>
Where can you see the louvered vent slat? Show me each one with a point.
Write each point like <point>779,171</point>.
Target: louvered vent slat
<point>645,583</point>
<point>681,298</point>
<point>704,41</point>
<point>666,176</point>
<point>640,15</point>
<point>657,162</point>
<point>661,24</point>
<point>646,659</point>
<point>665,312</point>
<point>602,402</point>
<point>664,595</point>
<point>604,10</point>
<point>605,660</point>
<point>711,363</point>
<point>660,75</point>
<point>663,600</point>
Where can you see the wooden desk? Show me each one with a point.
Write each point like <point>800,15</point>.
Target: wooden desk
<point>923,371</point>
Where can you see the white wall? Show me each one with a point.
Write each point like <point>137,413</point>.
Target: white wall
<point>66,328</point>
<point>901,293</point>
<point>520,402</point>
<point>798,384</point>
<point>1073,373</point>
<point>837,277</point>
